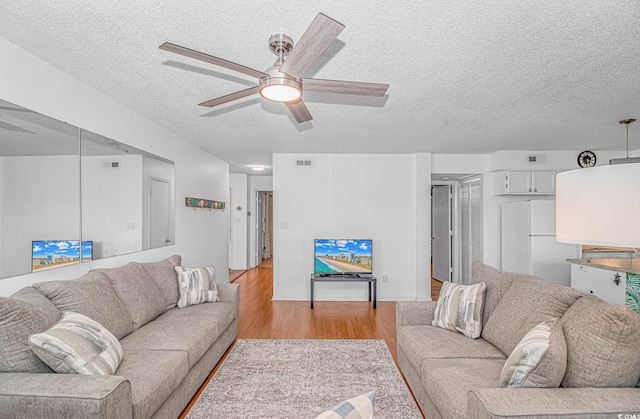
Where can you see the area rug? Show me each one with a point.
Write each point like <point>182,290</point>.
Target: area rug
<point>303,378</point>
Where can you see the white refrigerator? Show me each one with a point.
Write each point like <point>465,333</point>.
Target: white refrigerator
<point>529,243</point>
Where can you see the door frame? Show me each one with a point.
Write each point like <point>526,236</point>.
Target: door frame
<point>456,262</point>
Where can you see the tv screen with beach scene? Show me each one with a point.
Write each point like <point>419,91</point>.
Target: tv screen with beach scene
<point>343,256</point>
<point>47,254</point>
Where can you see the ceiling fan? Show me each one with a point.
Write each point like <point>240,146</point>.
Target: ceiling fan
<point>283,82</point>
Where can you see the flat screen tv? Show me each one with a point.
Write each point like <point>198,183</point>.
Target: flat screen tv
<point>343,256</point>
<point>47,254</point>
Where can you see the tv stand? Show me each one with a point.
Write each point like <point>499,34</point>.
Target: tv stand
<point>347,277</point>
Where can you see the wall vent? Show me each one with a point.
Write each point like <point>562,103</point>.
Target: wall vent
<point>303,162</point>
<point>112,164</point>
<point>537,158</point>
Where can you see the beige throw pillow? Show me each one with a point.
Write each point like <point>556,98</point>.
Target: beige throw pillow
<point>196,286</point>
<point>459,308</point>
<point>77,344</point>
<point>603,341</point>
<point>539,360</point>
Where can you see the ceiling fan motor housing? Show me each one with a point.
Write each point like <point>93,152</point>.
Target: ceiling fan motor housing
<point>278,84</point>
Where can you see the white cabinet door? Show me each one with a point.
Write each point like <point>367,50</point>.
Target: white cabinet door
<point>599,282</point>
<point>519,182</point>
<point>543,182</point>
<point>507,182</point>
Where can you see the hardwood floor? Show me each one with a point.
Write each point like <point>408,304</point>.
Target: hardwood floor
<point>261,318</point>
<point>435,289</point>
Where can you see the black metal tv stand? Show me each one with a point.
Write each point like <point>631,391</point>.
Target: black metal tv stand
<point>347,277</point>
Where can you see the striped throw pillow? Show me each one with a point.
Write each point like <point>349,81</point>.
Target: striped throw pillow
<point>359,407</point>
<point>196,286</point>
<point>459,308</point>
<point>539,360</point>
<point>77,344</point>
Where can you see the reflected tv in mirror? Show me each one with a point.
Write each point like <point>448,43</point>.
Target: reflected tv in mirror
<point>343,256</point>
<point>47,254</point>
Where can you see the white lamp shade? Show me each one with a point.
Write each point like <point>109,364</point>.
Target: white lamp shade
<point>599,206</point>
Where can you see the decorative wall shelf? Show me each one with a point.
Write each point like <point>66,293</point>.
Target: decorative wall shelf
<point>196,203</point>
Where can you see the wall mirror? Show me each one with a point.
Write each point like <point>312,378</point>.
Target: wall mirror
<point>127,197</point>
<point>39,191</point>
<point>53,175</point>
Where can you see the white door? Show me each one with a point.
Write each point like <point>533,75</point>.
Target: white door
<point>159,213</point>
<point>470,225</point>
<point>259,227</point>
<point>441,232</point>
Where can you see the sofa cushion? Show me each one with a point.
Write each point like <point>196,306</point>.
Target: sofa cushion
<point>427,342</point>
<point>449,380</point>
<point>539,360</point>
<point>187,330</point>
<point>139,294</point>
<point>603,341</point>
<point>526,304</point>
<point>359,407</point>
<point>24,313</point>
<point>76,344</point>
<point>165,277</point>
<point>153,375</point>
<point>81,296</point>
<point>459,308</point>
<point>196,286</point>
<point>498,282</point>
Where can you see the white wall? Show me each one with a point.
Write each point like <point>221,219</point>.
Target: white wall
<point>201,236</point>
<point>37,190</point>
<point>238,186</point>
<point>112,204</point>
<point>262,184</point>
<point>351,196</point>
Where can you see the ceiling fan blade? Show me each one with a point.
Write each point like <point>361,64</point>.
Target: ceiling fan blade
<point>345,87</point>
<point>318,36</point>
<point>299,111</point>
<point>177,49</point>
<point>228,98</point>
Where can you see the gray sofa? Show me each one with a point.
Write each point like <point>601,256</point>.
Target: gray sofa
<point>453,376</point>
<point>168,351</point>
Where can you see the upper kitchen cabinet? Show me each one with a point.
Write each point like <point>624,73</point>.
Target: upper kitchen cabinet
<point>508,182</point>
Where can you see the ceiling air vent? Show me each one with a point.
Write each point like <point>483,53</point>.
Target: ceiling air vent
<point>303,162</point>
<point>537,158</point>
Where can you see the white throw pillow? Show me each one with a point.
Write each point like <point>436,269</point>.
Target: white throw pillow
<point>196,286</point>
<point>77,344</point>
<point>539,360</point>
<point>359,407</point>
<point>459,308</point>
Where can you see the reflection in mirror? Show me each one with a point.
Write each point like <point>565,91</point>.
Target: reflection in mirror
<point>127,197</point>
<point>39,191</point>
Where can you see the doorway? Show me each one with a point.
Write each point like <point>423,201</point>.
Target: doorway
<point>264,226</point>
<point>442,232</point>
<point>159,213</point>
<point>456,226</point>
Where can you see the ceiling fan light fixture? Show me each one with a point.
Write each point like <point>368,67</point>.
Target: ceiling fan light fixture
<point>280,89</point>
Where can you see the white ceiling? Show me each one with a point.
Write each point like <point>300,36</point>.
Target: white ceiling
<point>465,77</point>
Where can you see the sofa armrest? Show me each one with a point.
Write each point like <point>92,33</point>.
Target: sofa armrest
<point>64,395</point>
<point>230,292</point>
<point>552,402</point>
<point>414,313</point>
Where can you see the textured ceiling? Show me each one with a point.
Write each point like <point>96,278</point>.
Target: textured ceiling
<point>465,77</point>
